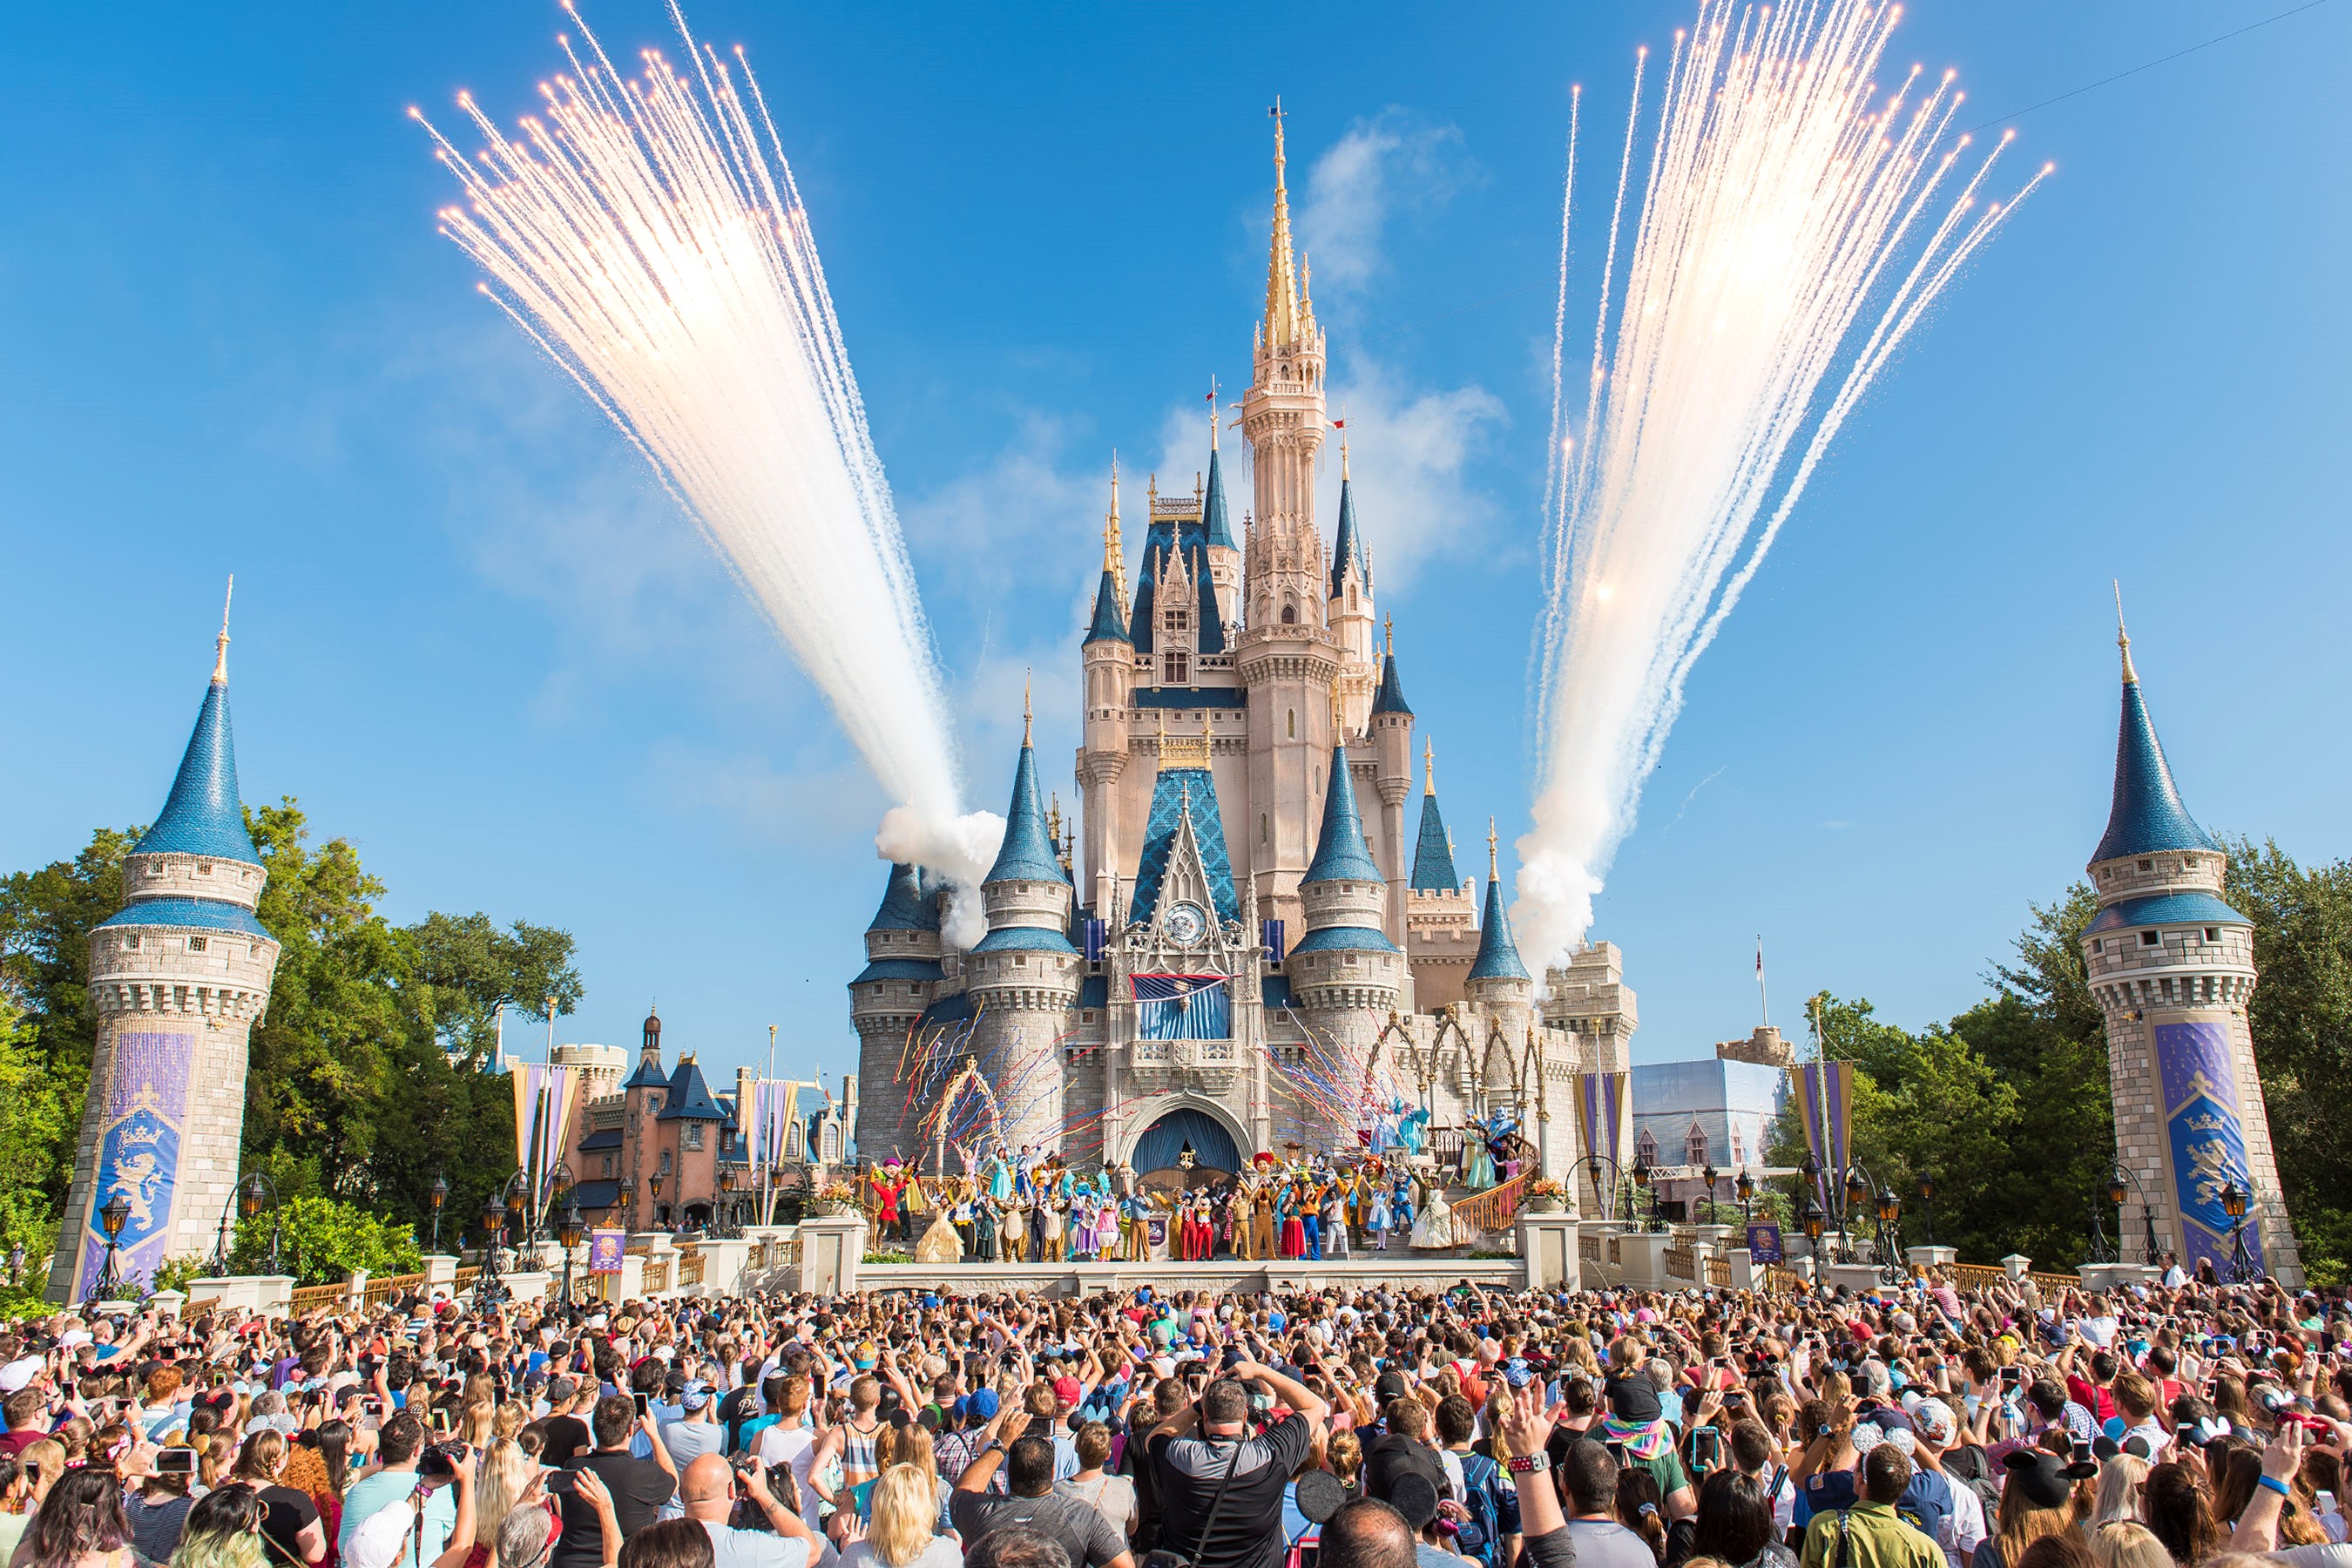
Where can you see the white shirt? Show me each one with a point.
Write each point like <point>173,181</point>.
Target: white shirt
<point>382,1539</point>
<point>1964,1527</point>
<point>793,1448</point>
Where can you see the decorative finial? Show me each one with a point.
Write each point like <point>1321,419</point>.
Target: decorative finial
<point>1339,715</point>
<point>1212,414</point>
<point>1281,277</point>
<point>220,646</point>
<point>1491,841</point>
<point>2122,638</point>
<point>1114,548</point>
<point>1388,631</point>
<point>1428,767</point>
<point>1024,708</point>
<point>1343,460</point>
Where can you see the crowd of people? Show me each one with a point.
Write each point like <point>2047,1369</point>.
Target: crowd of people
<point>1920,1427</point>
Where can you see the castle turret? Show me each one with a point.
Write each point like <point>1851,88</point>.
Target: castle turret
<point>178,978</point>
<point>900,978</point>
<point>1345,974</point>
<point>1392,735</point>
<point>1109,655</point>
<point>1349,610</point>
<point>2172,968</point>
<point>1498,983</point>
<point>1023,977</point>
<point>1217,532</point>
<point>1441,928</point>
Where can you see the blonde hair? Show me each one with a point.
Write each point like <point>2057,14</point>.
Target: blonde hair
<point>505,1473</point>
<point>2128,1543</point>
<point>2120,1476</point>
<point>906,1501</point>
<point>907,1445</point>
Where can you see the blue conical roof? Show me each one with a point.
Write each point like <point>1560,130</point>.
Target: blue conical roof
<point>1498,955</point>
<point>1212,616</point>
<point>1390,698</point>
<point>904,905</point>
<point>1349,544</point>
<point>1027,854</point>
<point>1109,622</point>
<point>1432,857</point>
<point>689,1098</point>
<point>1340,856</point>
<point>1218,531</point>
<point>2147,815</point>
<point>204,815</point>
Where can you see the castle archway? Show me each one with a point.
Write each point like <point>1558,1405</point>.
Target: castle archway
<point>1182,1122</point>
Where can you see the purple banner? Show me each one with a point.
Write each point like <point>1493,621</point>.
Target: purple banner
<point>605,1250</point>
<point>1824,1093</point>
<point>2207,1141</point>
<point>138,1156</point>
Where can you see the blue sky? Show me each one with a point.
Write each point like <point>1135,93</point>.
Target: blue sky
<point>474,636</point>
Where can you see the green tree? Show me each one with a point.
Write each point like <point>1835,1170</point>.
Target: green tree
<point>322,1239</point>
<point>36,1124</point>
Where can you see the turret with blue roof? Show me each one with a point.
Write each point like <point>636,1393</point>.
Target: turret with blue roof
<point>1027,892</point>
<point>1498,954</point>
<point>1343,892</point>
<point>1433,856</point>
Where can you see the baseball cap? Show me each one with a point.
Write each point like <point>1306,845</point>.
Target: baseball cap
<point>19,1374</point>
<point>983,1405</point>
<point>1067,1391</point>
<point>695,1396</point>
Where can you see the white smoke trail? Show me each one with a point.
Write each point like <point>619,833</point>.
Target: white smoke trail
<point>1779,211</point>
<point>647,236</point>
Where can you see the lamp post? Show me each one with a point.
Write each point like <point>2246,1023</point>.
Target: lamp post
<point>568,1230</point>
<point>110,1220</point>
<point>1856,1191</point>
<point>628,1202</point>
<point>1746,1187</point>
<point>2117,1180</point>
<point>722,1221</point>
<point>1641,1179</point>
<point>1927,1206</point>
<point>1890,1210</point>
<point>1708,1175</point>
<point>653,1185</point>
<point>246,1197</point>
<point>2234,1204</point>
<point>1608,1201</point>
<point>1810,1219</point>
<point>488,1290</point>
<point>435,1197</point>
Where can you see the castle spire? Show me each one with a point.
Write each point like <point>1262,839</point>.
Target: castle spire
<point>1212,414</point>
<point>1433,855</point>
<point>204,815</point>
<point>1428,766</point>
<point>1025,714</point>
<point>2146,813</point>
<point>1498,953</point>
<point>1281,275</point>
<point>220,646</point>
<point>1114,550</point>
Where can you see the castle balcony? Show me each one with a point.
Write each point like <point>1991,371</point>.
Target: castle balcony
<point>1201,1067</point>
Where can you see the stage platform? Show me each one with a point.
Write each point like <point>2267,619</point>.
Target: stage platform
<point>1363,1271</point>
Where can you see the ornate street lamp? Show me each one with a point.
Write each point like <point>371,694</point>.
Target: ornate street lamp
<point>654,1186</point>
<point>568,1231</point>
<point>1641,1179</point>
<point>1746,1187</point>
<point>435,1197</point>
<point>722,1221</point>
<point>248,1196</point>
<point>1708,1175</point>
<point>111,1219</point>
<point>489,1291</point>
<point>2117,1180</point>
<point>2241,1265</point>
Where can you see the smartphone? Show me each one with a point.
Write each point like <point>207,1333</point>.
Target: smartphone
<point>1706,1448</point>
<point>642,1403</point>
<point>2009,1377</point>
<point>440,1419</point>
<point>1616,1450</point>
<point>373,1405</point>
<point>175,1462</point>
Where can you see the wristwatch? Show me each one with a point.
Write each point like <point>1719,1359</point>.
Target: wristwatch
<point>995,1446</point>
<point>1527,1464</point>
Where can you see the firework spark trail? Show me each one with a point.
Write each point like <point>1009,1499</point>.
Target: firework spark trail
<point>647,236</point>
<point>1791,233</point>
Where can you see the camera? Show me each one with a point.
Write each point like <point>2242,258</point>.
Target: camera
<point>440,1460</point>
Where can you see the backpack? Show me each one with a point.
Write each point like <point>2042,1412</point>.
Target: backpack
<point>1966,1466</point>
<point>1925,1505</point>
<point>1494,1513</point>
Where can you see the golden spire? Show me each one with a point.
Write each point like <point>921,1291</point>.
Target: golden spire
<point>1428,767</point>
<point>1212,414</point>
<point>1343,460</point>
<point>1281,277</point>
<point>1114,550</point>
<point>1024,708</point>
<point>2122,638</point>
<point>1388,631</point>
<point>220,645</point>
<point>1339,715</point>
<point>1491,841</point>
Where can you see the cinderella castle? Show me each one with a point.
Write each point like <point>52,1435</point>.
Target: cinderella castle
<point>1241,932</point>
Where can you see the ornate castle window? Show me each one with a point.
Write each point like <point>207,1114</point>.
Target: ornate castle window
<point>1175,669</point>
<point>196,945</point>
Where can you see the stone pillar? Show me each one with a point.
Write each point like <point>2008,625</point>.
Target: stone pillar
<point>1548,1244</point>
<point>832,1247</point>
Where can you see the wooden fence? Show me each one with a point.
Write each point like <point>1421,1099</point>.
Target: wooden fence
<point>1476,1219</point>
<point>310,1297</point>
<point>1682,1263</point>
<point>378,1291</point>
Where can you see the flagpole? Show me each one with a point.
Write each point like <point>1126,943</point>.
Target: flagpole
<point>767,1138</point>
<point>1763,998</point>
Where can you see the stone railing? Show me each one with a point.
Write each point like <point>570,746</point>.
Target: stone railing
<point>1682,1263</point>
<point>1476,1219</point>
<point>656,1276</point>
<point>691,1269</point>
<point>377,1291</point>
<point>1588,1247</point>
<point>1976,1276</point>
<point>1718,1273</point>
<point>1787,1281</point>
<point>310,1297</point>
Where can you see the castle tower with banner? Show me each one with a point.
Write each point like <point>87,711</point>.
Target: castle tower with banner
<point>1235,946</point>
<point>2172,967</point>
<point>178,978</point>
